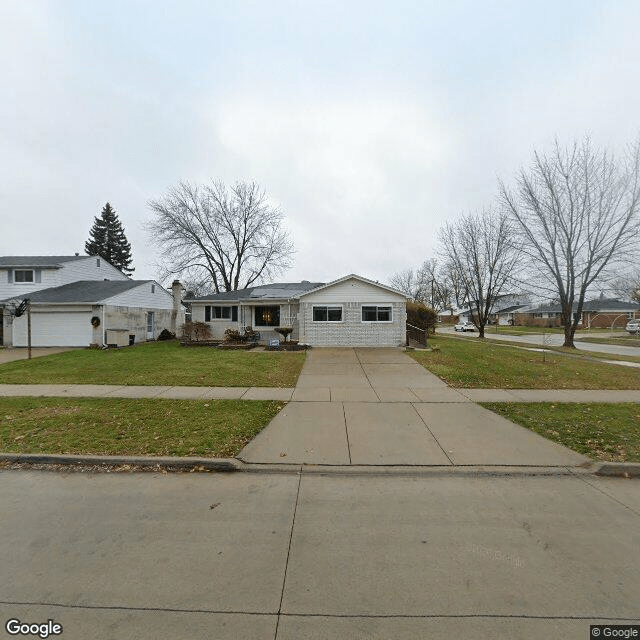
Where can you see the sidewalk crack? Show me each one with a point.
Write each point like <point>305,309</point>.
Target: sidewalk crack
<point>432,434</point>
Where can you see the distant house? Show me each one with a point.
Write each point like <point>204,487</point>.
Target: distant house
<point>598,313</point>
<point>77,301</point>
<point>350,311</point>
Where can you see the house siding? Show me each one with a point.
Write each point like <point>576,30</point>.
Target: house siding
<point>352,294</point>
<point>67,273</point>
<point>246,318</point>
<point>132,320</point>
<point>141,296</point>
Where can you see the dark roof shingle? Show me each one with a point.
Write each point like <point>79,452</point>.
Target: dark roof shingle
<point>82,291</point>
<point>37,261</point>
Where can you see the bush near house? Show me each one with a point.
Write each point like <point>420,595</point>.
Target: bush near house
<point>195,331</point>
<point>421,316</point>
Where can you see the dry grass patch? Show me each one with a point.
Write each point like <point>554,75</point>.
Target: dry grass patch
<point>151,427</point>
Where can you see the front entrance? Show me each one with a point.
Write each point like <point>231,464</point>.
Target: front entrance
<point>267,316</point>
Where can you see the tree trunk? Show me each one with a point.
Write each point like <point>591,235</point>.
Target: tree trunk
<point>481,331</point>
<point>569,333</point>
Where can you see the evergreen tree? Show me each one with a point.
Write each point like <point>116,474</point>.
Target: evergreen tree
<point>107,240</point>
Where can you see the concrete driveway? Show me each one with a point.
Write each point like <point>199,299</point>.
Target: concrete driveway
<point>9,354</point>
<point>380,407</point>
<point>288,556</point>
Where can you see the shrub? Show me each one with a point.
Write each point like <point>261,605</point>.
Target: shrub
<point>421,316</point>
<point>165,334</point>
<point>285,332</point>
<point>233,335</point>
<point>195,331</point>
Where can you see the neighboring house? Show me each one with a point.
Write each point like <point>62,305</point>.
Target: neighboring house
<point>351,311</point>
<point>77,301</point>
<point>86,312</point>
<point>21,275</point>
<point>598,313</point>
<point>508,315</point>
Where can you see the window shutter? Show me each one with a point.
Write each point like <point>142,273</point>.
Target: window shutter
<point>207,313</point>
<point>234,314</point>
<point>9,275</point>
<point>38,275</point>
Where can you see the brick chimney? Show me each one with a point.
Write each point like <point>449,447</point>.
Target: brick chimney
<point>176,291</point>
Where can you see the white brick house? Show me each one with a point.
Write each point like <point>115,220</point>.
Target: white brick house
<point>350,311</point>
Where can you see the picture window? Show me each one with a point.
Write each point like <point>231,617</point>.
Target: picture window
<point>376,314</point>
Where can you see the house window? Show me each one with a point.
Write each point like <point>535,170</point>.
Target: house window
<point>98,262</point>
<point>150,322</point>
<point>376,314</point>
<point>327,314</point>
<point>267,316</point>
<point>220,313</point>
<point>23,275</point>
<point>153,288</point>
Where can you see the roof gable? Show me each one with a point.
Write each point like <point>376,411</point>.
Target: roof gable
<point>353,276</point>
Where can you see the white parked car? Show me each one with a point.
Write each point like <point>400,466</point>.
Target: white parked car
<point>465,326</point>
<point>633,326</point>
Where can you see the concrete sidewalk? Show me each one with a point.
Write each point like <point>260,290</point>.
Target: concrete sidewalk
<point>379,407</point>
<point>337,393</point>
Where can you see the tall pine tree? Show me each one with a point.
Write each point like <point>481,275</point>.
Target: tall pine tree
<point>107,240</point>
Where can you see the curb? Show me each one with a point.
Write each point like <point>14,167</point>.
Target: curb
<point>617,469</point>
<point>608,469</point>
<point>211,464</point>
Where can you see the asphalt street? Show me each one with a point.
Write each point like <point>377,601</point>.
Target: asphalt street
<point>318,556</point>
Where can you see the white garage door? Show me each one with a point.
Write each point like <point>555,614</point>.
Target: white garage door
<point>54,329</point>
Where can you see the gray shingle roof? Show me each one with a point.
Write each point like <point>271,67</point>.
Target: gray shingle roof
<point>276,291</point>
<point>37,261</point>
<point>84,291</point>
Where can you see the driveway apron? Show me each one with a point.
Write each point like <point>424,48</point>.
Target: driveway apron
<point>378,406</point>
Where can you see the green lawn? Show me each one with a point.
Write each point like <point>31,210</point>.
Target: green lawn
<point>159,363</point>
<point>626,339</point>
<point>209,428</point>
<point>607,432</point>
<point>474,363</point>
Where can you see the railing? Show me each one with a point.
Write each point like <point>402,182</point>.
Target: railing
<point>417,334</point>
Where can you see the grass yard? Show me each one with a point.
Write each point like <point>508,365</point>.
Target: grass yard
<point>159,363</point>
<point>473,363</point>
<point>208,428</point>
<point>607,432</point>
<point>626,339</point>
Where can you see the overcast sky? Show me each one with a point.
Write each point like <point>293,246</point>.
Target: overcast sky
<point>369,123</point>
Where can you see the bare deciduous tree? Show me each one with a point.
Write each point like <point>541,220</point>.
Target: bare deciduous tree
<point>481,256</point>
<point>425,285</point>
<point>576,211</point>
<point>410,283</point>
<point>232,235</point>
<point>627,286</point>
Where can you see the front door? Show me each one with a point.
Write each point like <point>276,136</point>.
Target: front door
<point>150,325</point>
